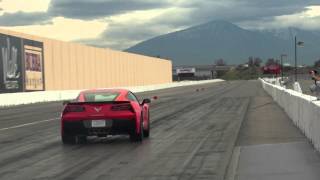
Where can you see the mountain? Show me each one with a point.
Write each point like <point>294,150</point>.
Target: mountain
<point>205,43</point>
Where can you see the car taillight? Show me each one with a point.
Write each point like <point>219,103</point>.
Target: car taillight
<point>74,108</point>
<point>121,107</point>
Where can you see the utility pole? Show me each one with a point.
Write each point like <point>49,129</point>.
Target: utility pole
<point>281,59</point>
<point>295,59</point>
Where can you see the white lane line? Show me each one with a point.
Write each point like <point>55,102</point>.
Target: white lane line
<point>29,124</point>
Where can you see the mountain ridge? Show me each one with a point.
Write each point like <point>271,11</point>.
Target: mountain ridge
<point>203,44</point>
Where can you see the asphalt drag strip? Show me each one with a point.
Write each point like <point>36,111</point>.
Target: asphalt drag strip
<point>193,133</point>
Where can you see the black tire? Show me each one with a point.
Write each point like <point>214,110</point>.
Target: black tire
<point>146,133</point>
<point>137,137</point>
<point>66,139</point>
<point>81,139</point>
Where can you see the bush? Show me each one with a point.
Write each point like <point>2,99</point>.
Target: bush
<point>242,74</point>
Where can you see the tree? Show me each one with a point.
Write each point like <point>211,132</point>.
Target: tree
<point>250,62</point>
<point>257,62</point>
<point>317,63</point>
<point>271,61</point>
<point>254,62</point>
<point>220,62</point>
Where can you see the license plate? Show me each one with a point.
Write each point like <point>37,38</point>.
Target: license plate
<point>101,123</point>
<point>98,123</point>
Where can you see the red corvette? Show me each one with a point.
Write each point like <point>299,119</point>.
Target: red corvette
<point>105,112</point>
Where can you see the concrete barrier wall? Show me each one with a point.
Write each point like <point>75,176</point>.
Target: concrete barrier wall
<point>70,66</point>
<point>302,109</point>
<point>12,99</point>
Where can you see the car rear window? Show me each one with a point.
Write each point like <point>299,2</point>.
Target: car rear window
<point>100,96</point>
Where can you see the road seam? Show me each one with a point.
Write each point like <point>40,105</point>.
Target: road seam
<point>233,166</point>
<point>28,124</point>
<point>233,144</point>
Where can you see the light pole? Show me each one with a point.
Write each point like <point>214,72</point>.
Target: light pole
<point>281,59</point>
<point>300,44</point>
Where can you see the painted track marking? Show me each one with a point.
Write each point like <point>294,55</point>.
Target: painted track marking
<point>28,124</point>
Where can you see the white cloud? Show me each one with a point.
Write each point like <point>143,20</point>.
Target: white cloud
<point>64,29</point>
<point>137,16</point>
<point>308,19</point>
<point>131,28</point>
<point>93,9</point>
<point>313,11</point>
<point>13,6</point>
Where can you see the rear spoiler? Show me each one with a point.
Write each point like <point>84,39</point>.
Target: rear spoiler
<point>100,102</point>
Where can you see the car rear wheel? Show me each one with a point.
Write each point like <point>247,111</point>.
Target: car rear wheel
<point>146,133</point>
<point>137,137</point>
<point>67,139</point>
<point>81,139</point>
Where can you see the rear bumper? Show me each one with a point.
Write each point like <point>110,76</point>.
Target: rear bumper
<point>119,126</point>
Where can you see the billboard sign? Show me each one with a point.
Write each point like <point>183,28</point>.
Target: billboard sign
<point>33,68</point>
<point>186,70</point>
<point>10,64</point>
<point>21,64</point>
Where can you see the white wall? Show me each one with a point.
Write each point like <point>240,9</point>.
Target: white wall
<point>302,109</point>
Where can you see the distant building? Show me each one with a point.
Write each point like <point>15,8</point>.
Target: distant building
<point>245,65</point>
<point>186,73</point>
<point>286,65</point>
<point>201,72</point>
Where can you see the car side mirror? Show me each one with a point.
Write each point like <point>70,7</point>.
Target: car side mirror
<point>146,101</point>
<point>65,102</point>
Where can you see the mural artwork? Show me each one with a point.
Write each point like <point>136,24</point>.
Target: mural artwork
<point>21,65</point>
<point>10,64</point>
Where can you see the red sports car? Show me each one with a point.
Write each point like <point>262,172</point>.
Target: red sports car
<point>105,112</point>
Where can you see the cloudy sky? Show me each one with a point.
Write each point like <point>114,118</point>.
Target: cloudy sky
<point>119,24</point>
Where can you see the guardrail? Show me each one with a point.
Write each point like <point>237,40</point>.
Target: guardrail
<point>302,109</point>
<point>12,99</point>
